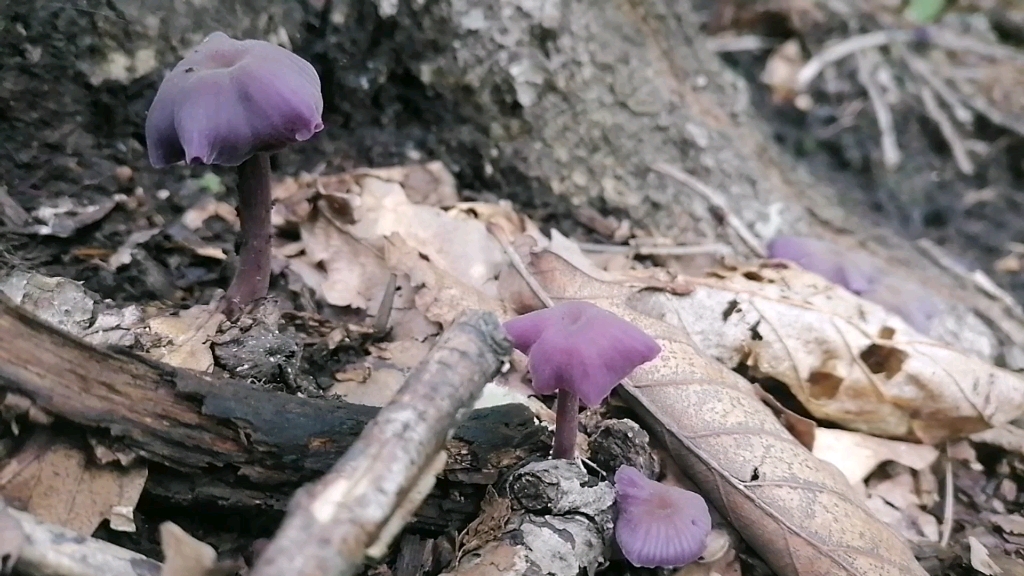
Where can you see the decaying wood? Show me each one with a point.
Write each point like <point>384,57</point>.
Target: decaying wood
<point>560,525</point>
<point>331,523</point>
<point>54,551</point>
<point>225,442</point>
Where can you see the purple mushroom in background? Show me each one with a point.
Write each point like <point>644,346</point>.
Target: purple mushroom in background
<point>581,351</point>
<point>232,102</point>
<point>658,525</point>
<point>861,274</point>
<point>855,272</point>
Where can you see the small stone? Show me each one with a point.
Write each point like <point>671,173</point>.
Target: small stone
<point>123,174</point>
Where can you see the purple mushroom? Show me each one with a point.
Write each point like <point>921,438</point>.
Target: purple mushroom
<point>861,274</point>
<point>232,102</point>
<point>855,272</point>
<point>581,351</point>
<point>658,525</point>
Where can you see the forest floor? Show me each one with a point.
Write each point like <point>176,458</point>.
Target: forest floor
<point>84,197</point>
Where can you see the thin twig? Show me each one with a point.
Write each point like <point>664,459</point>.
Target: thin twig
<point>956,144</point>
<point>331,523</point>
<point>847,47</point>
<point>947,517</point>
<point>891,155</point>
<point>981,106</point>
<point>642,250</point>
<point>517,263</point>
<point>923,70</point>
<point>51,550</point>
<point>387,303</point>
<point>744,43</point>
<point>717,201</point>
<point>976,278</point>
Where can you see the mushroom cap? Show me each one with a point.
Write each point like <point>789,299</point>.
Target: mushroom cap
<point>857,273</point>
<point>861,274</point>
<point>658,525</point>
<point>580,347</point>
<point>229,99</point>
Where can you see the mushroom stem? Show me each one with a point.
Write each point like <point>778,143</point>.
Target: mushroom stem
<point>567,413</point>
<point>252,279</point>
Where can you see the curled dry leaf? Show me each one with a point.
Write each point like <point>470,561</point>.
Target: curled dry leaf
<point>62,487</point>
<point>350,224</point>
<point>186,556</point>
<point>846,359</point>
<point>856,455</point>
<point>800,514</point>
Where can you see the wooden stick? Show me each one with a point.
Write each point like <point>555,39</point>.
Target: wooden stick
<point>54,551</point>
<point>331,523</point>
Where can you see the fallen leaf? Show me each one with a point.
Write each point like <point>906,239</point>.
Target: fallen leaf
<point>62,487</point>
<point>980,560</point>
<point>856,455</point>
<point>12,539</point>
<point>461,247</point>
<point>185,338</point>
<point>60,302</point>
<point>1011,523</point>
<point>781,70</point>
<point>354,273</point>
<point>66,216</point>
<point>845,359</point>
<point>803,429</point>
<point>494,513</point>
<point>186,556</point>
<point>799,513</point>
<point>123,255</point>
<point>899,490</point>
<point>197,215</point>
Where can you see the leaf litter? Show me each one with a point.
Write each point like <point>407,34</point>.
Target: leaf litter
<point>356,231</point>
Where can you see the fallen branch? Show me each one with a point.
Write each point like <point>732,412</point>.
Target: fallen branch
<point>227,443</point>
<point>331,523</point>
<point>54,551</point>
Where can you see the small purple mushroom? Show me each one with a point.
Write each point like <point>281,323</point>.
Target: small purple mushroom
<point>861,274</point>
<point>658,525</point>
<point>855,272</point>
<point>232,102</point>
<point>581,351</point>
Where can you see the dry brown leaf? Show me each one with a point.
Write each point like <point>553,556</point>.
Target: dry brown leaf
<point>847,360</point>
<point>355,274</point>
<point>856,455</point>
<point>494,513</point>
<point>980,559</point>
<point>12,538</point>
<point>184,340</point>
<point>800,514</point>
<point>62,487</point>
<point>207,208</point>
<point>781,70</point>
<point>1010,523</point>
<point>186,556</point>
<point>803,429</point>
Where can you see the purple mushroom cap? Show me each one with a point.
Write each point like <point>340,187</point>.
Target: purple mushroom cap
<point>857,273</point>
<point>658,525</point>
<point>580,347</point>
<point>860,274</point>
<point>229,99</point>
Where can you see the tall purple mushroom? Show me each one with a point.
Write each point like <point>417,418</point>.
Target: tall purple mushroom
<point>581,351</point>
<point>232,102</point>
<point>658,525</point>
